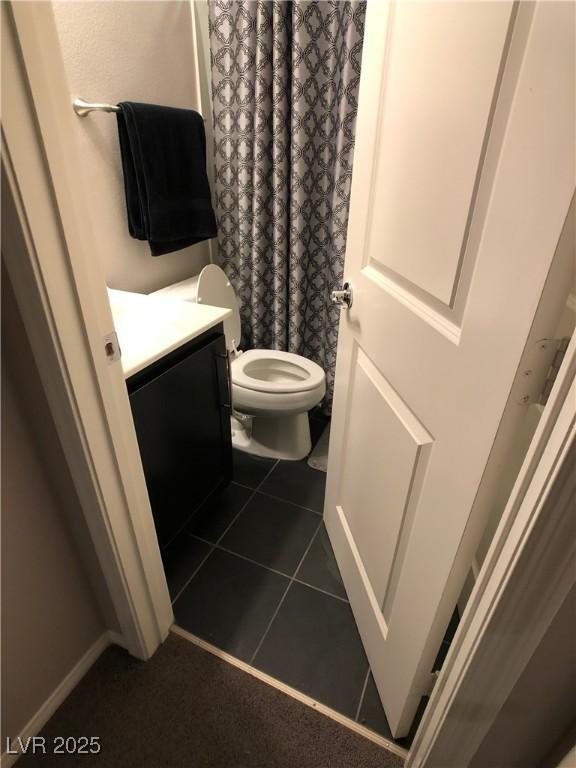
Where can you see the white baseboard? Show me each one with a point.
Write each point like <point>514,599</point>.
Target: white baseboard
<point>63,690</point>
<point>116,638</point>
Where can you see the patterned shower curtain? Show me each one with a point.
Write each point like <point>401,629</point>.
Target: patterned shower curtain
<point>285,79</point>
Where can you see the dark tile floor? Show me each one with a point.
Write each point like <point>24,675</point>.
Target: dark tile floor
<point>254,574</point>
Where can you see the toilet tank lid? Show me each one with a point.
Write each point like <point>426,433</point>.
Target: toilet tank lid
<point>210,287</point>
<point>215,289</point>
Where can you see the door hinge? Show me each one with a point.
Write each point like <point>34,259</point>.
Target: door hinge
<point>540,367</point>
<point>112,347</point>
<point>553,370</point>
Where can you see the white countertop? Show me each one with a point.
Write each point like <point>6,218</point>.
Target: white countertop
<point>148,326</point>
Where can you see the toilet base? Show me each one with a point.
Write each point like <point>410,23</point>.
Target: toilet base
<point>276,437</point>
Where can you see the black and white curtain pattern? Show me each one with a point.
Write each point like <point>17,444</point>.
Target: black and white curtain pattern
<point>285,79</point>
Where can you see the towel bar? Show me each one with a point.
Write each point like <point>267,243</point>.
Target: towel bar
<point>82,108</point>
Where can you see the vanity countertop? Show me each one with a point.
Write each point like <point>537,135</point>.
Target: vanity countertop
<point>148,327</point>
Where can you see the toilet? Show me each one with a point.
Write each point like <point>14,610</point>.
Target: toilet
<point>272,391</point>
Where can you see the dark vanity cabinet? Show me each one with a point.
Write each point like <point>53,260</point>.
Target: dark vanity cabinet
<point>181,410</point>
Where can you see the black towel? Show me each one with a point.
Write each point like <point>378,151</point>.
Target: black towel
<point>164,162</point>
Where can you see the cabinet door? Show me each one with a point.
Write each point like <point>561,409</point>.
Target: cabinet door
<point>182,422</point>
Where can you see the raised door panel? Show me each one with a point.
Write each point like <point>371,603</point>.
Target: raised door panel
<point>442,65</point>
<point>385,453</point>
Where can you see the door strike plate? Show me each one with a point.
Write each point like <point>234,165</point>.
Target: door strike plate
<point>112,347</point>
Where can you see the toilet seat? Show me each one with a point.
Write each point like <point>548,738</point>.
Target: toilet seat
<point>272,391</point>
<point>272,371</point>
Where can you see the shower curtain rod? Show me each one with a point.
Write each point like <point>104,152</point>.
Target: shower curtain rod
<point>82,108</point>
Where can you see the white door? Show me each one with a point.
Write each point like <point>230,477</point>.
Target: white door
<point>463,174</point>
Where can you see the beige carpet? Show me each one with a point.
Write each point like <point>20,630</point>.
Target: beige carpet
<point>186,708</point>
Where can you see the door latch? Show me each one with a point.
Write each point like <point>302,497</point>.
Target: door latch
<point>343,297</point>
<point>112,347</point>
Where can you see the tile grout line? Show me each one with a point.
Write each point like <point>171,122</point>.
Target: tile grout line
<point>243,557</point>
<point>268,568</point>
<point>268,627</point>
<point>279,498</point>
<point>215,544</point>
<point>362,694</point>
<point>248,500</point>
<point>194,572</point>
<point>188,520</point>
<point>322,591</point>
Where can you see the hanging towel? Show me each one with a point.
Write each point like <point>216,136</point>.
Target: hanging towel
<point>164,162</point>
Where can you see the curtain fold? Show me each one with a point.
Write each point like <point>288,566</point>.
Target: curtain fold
<point>285,79</point>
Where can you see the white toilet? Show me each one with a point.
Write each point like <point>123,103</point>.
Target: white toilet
<point>272,391</point>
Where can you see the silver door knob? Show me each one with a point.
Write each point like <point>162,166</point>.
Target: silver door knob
<point>343,297</point>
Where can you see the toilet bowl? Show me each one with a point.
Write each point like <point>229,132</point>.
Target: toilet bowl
<point>272,391</point>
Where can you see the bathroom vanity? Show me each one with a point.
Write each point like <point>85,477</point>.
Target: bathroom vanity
<point>176,369</point>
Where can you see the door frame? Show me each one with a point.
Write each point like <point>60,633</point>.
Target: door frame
<point>527,573</point>
<point>53,263</point>
<point>51,255</point>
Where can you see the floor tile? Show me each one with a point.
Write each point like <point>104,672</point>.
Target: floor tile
<point>314,646</point>
<point>295,481</point>
<point>229,603</point>
<point>320,568</point>
<point>272,532</point>
<point>372,715</point>
<point>371,712</point>
<point>216,514</point>
<point>250,470</point>
<point>181,558</point>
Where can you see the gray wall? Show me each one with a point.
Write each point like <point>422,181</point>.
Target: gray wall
<point>130,51</point>
<point>51,610</point>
